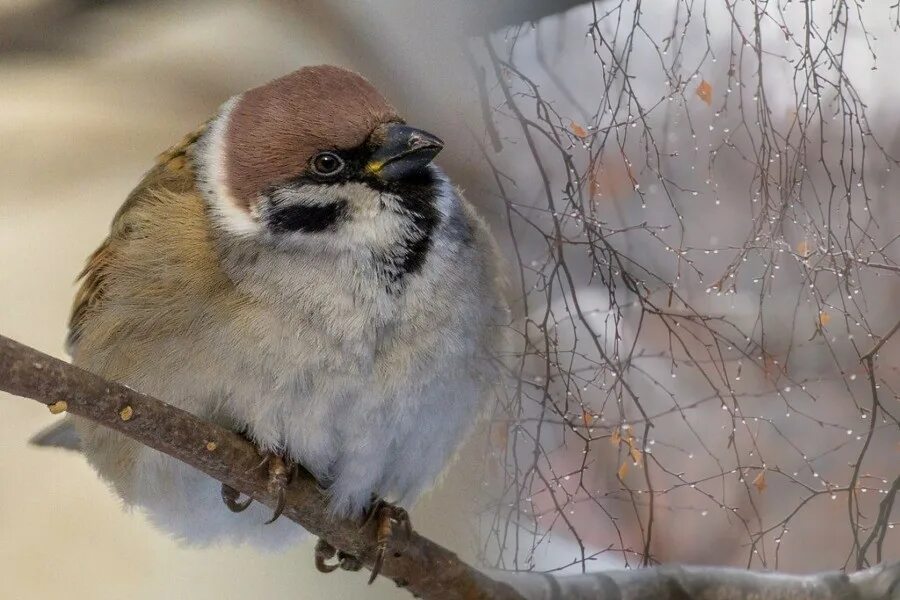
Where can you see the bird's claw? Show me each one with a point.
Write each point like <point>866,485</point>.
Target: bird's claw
<point>387,518</point>
<point>230,497</point>
<point>280,473</point>
<point>325,552</point>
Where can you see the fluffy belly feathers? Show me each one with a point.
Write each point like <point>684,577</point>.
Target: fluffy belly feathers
<point>357,431</point>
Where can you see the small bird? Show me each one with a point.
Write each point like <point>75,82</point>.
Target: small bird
<point>300,271</point>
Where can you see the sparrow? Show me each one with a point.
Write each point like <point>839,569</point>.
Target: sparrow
<point>298,270</point>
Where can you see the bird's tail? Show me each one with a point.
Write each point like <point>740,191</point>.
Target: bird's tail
<point>59,435</point>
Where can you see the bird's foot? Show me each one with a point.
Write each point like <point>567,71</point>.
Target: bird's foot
<point>388,519</point>
<point>325,552</point>
<point>280,472</point>
<point>231,498</point>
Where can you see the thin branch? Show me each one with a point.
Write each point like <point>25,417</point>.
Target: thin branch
<point>871,353</point>
<point>879,530</point>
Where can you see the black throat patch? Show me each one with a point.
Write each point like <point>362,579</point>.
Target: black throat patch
<point>418,198</point>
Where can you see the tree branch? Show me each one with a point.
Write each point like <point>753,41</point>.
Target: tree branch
<point>426,568</point>
<point>429,570</point>
<point>671,582</point>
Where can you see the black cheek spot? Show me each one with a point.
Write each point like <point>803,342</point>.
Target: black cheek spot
<point>306,218</point>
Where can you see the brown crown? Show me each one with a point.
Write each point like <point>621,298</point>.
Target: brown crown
<point>276,128</point>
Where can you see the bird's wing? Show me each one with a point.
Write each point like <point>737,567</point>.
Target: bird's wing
<point>173,172</point>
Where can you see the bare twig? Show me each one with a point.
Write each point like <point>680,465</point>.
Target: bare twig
<point>879,530</point>
<point>871,353</point>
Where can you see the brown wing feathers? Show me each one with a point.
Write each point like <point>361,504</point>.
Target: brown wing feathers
<point>173,172</point>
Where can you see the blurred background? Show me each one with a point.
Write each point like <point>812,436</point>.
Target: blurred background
<point>91,91</point>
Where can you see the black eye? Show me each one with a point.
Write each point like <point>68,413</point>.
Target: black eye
<point>327,163</point>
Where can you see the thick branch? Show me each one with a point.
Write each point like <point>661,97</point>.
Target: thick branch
<point>428,569</point>
<point>711,583</point>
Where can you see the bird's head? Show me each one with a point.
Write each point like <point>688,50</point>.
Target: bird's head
<point>318,158</point>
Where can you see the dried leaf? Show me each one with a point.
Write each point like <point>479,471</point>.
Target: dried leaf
<point>587,417</point>
<point>616,438</point>
<point>578,131</point>
<point>759,482</point>
<point>623,470</point>
<point>635,454</point>
<point>704,92</point>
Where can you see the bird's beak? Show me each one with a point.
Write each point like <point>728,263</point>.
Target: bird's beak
<point>401,151</point>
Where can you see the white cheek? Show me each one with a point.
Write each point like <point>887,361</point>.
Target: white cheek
<point>211,180</point>
<point>372,225</point>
